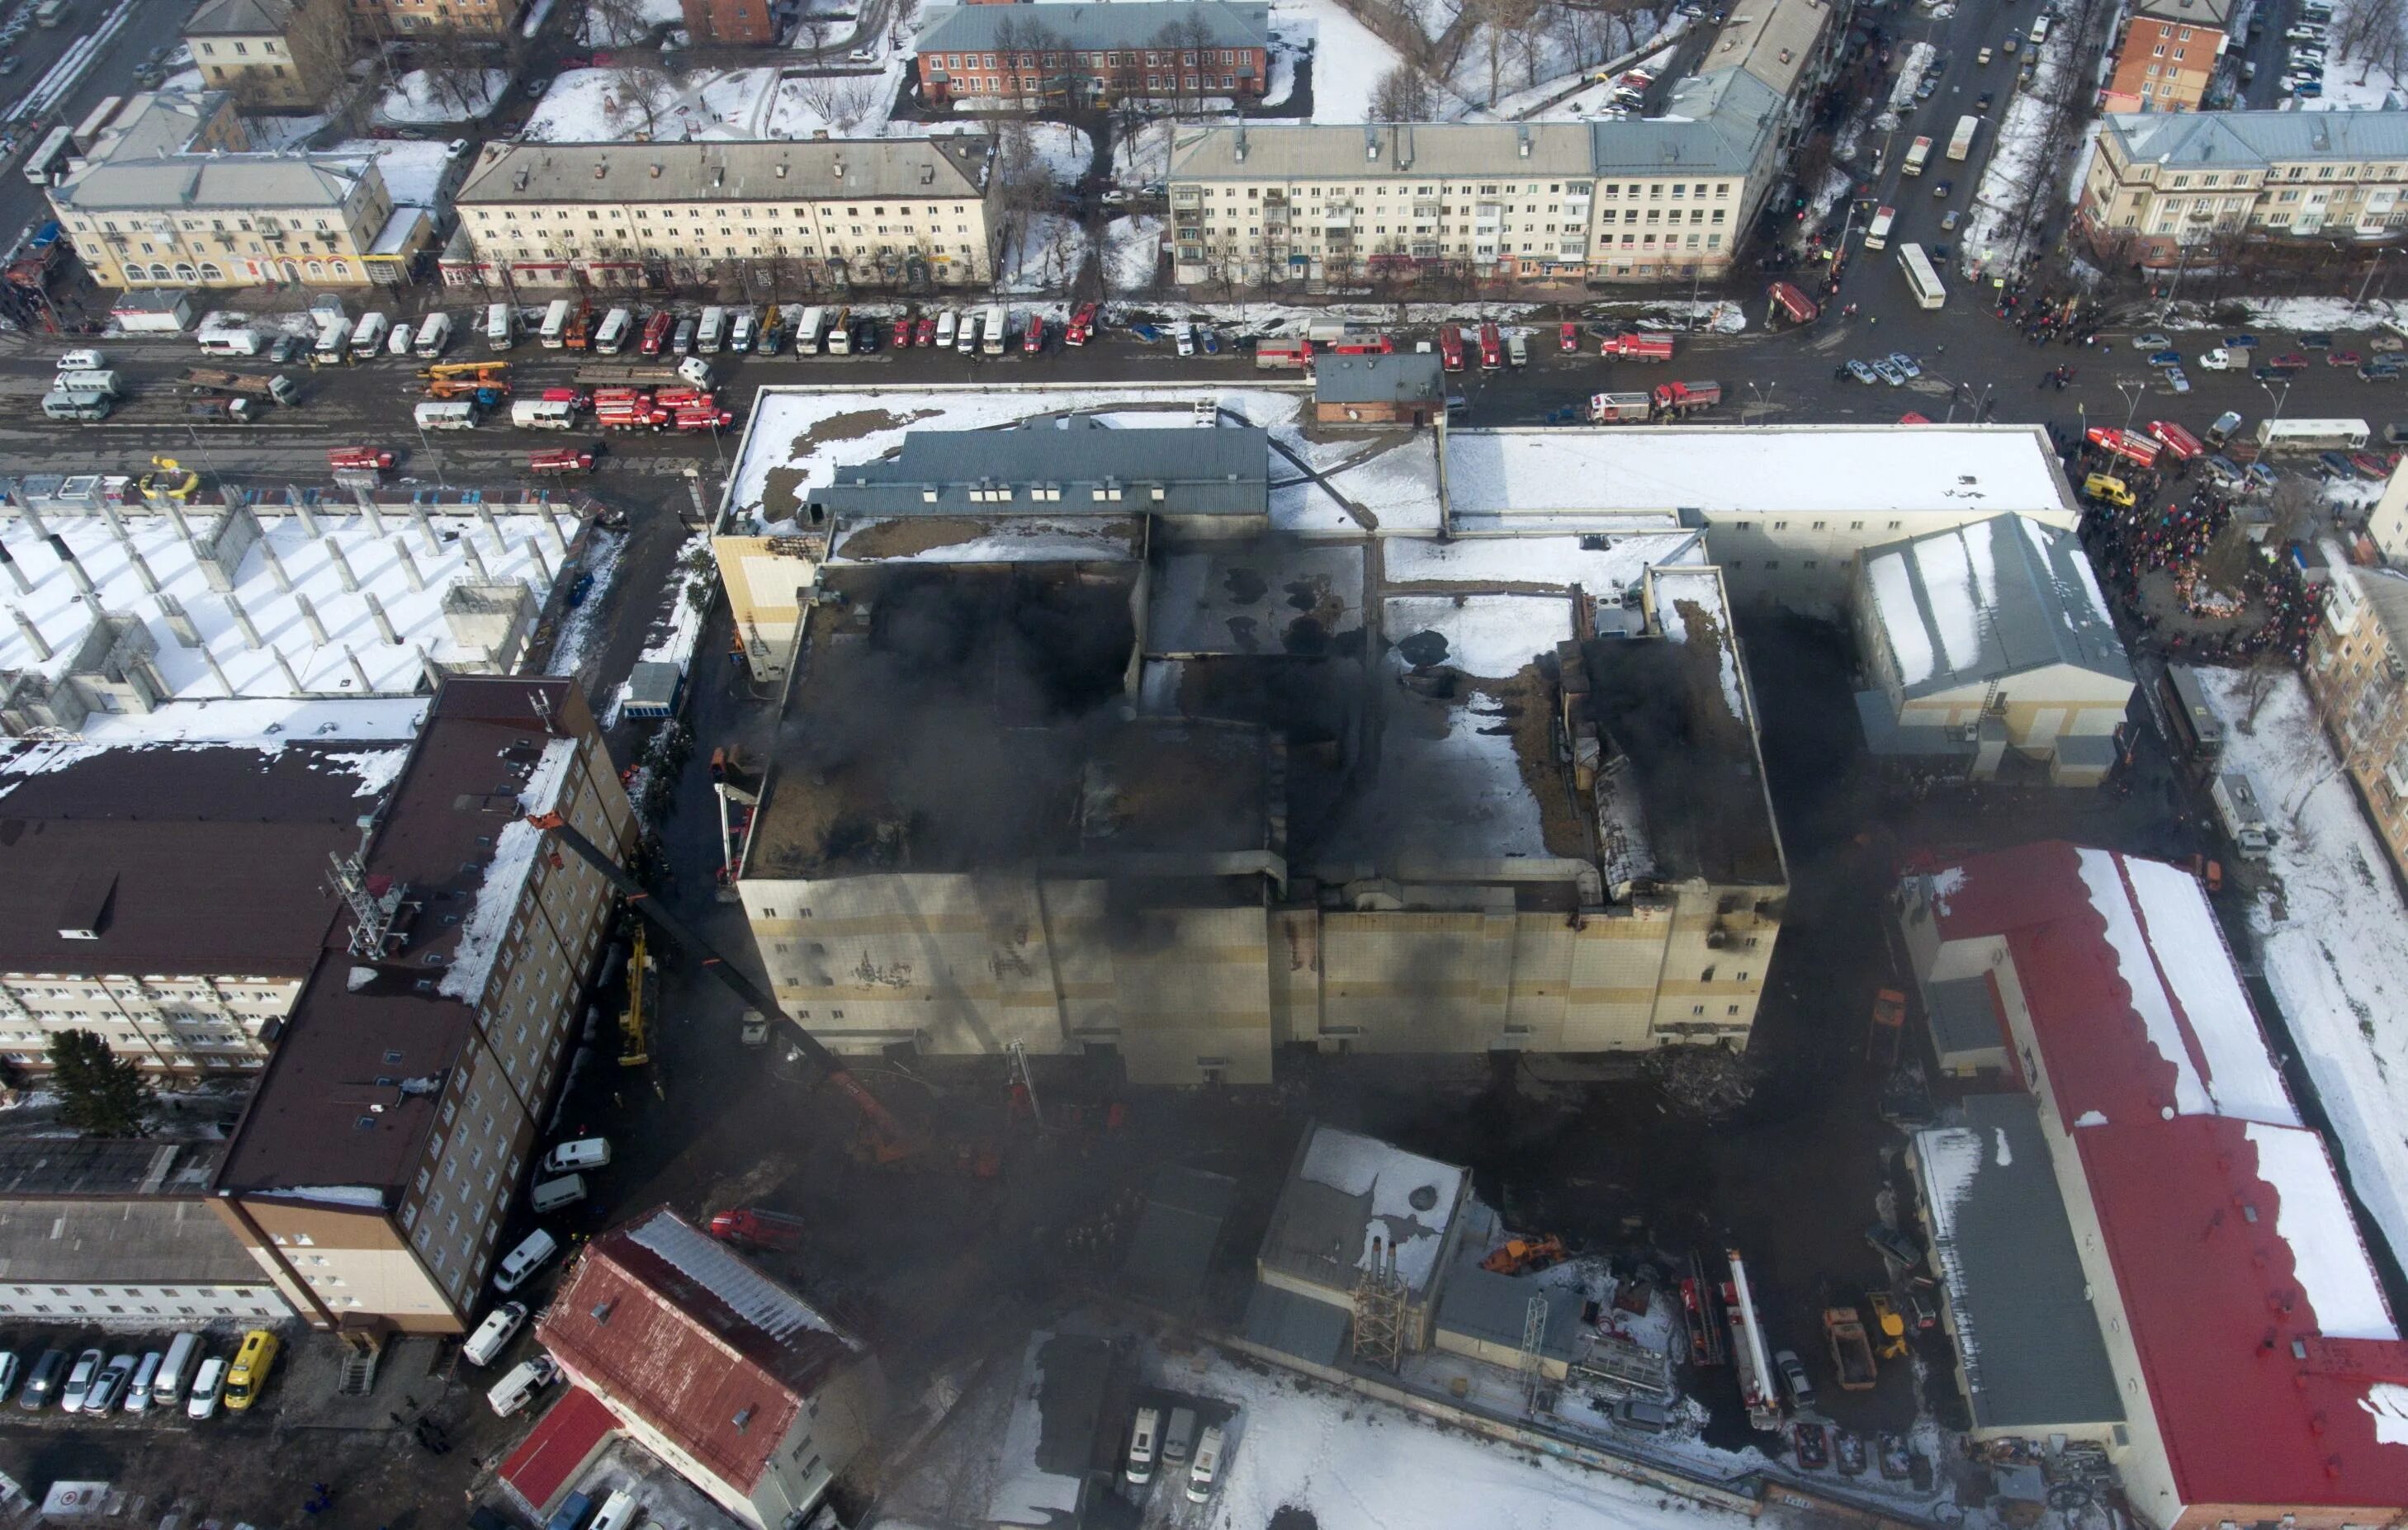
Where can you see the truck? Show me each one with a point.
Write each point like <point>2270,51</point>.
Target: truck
<point>1960,143</point>
<point>2134,448</point>
<point>628,409</point>
<point>538,414</point>
<point>1492,349</point>
<point>373,459</point>
<point>692,372</point>
<point>1638,348</point>
<point>1450,348</point>
<point>580,334</point>
<point>452,416</point>
<point>565,458</point>
<point>61,404</point>
<point>2180,444</point>
<point>2305,435</point>
<point>1620,408</point>
<point>1274,355</point>
<point>655,337</point>
<point>1790,301</point>
<point>1852,1353</point>
<point>1877,233</point>
<point>750,1227</point>
<point>1678,400</point>
<point>221,412</point>
<point>276,386</point>
<point>2245,821</point>
<point>1917,153</point>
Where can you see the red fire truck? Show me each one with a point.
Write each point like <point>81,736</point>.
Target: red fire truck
<point>1792,302</point>
<point>1492,348</point>
<point>1081,326</point>
<point>1676,400</point>
<point>1363,344</point>
<point>2181,443</point>
<point>566,459</point>
<point>358,456</point>
<point>656,332</point>
<point>1638,348</point>
<point>627,409</point>
<point>2131,446</point>
<point>1450,348</point>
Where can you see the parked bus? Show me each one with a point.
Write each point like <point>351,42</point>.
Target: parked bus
<point>714,332</point>
<point>808,331</point>
<point>556,324</point>
<point>1921,279</point>
<point>2312,434</point>
<point>48,160</point>
<point>501,326</point>
<point>996,330</point>
<point>612,338</point>
<point>434,336</point>
<point>1877,235</point>
<point>368,339</point>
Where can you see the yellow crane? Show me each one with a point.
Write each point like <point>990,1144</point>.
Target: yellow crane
<point>473,371</point>
<point>173,480</point>
<point>635,1049</point>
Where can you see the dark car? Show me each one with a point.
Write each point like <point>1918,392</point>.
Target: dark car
<point>1814,1447</point>
<point>578,592</point>
<point>2316,339</point>
<point>1894,1244</point>
<point>2165,358</point>
<point>1942,189</point>
<point>2333,465</point>
<point>2270,373</point>
<point>2381,369</point>
<point>1982,104</point>
<point>2240,342</point>
<point>681,344</point>
<point>865,336</point>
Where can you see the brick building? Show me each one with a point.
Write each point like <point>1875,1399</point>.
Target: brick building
<point>2356,668</point>
<point>730,21</point>
<point>2168,55</point>
<point>1046,53</point>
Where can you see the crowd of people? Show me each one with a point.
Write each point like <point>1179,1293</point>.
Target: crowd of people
<point>2161,533</point>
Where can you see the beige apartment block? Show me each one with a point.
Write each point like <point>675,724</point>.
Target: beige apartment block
<point>400,17</point>
<point>170,197</point>
<point>371,1175</point>
<point>271,52</point>
<point>2357,672</point>
<point>822,213</point>
<point>2162,188</point>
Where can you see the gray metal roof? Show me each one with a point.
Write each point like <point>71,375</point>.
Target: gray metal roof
<point>1483,1305</point>
<point>1130,23</point>
<point>183,182</point>
<point>2250,140</point>
<point>240,18</point>
<point>775,170</point>
<point>1406,378</point>
<point>2039,610</point>
<point>1375,150</point>
<point>1296,1324</point>
<point>1170,1251</point>
<point>1964,1018</point>
<point>2025,1329</point>
<point>1093,469</point>
<point>2214,13</point>
<point>161,1241</point>
<point>1773,41</point>
<point>1716,124</point>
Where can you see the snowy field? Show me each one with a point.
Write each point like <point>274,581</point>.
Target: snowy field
<point>618,104</point>
<point>2331,949</point>
<point>421,99</point>
<point>1132,252</point>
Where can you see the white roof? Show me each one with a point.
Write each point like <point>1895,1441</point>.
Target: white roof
<point>1355,1165</point>
<point>1807,469</point>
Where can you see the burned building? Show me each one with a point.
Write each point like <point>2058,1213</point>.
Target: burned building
<point>1076,772</point>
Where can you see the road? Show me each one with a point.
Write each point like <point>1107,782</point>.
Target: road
<point>145,24</point>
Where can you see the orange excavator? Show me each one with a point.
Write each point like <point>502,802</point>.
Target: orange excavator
<point>1521,1255</point>
<point>886,1139</point>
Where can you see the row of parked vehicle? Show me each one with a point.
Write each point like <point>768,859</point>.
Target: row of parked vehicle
<point>182,1373</point>
<point>2303,54</point>
<point>1175,1443</point>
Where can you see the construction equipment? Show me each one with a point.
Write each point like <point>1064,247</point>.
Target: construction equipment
<point>468,371</point>
<point>254,385</point>
<point>1852,1355</point>
<point>486,394</point>
<point>1521,1255</point>
<point>1888,1027</point>
<point>172,480</point>
<point>1889,1328</point>
<point>888,1140</point>
<point>635,1021</point>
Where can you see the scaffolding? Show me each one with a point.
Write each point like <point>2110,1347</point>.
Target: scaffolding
<point>1379,1311</point>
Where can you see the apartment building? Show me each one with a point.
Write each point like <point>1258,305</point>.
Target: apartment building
<point>171,196</point>
<point>2358,670</point>
<point>909,212</point>
<point>2168,55</point>
<point>171,902</point>
<point>400,17</point>
<point>372,1173</point>
<point>1053,52</point>
<point>1598,202</point>
<point>271,52</point>
<point>2159,186</point>
<point>730,22</point>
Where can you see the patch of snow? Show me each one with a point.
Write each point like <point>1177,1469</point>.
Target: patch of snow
<point>422,97</point>
<point>1042,255</point>
<point>1550,563</point>
<point>1353,1164</point>
<point>413,171</point>
<point>1951,1157</point>
<point>1398,487</point>
<point>2313,1218</point>
<point>1305,508</point>
<point>1945,885</point>
<point>2091,1118</point>
<point>1489,637</point>
<point>743,1290</point>
<point>367,1196</point>
<point>576,633</point>
<point>2388,1402</point>
<point>2005,1154</point>
<point>1133,252</point>
<point>2138,966</point>
<point>1902,620</point>
<point>2240,1074</point>
<point>375,769</point>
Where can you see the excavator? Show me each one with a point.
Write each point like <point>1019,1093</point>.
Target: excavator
<point>885,1136</point>
<point>1521,1255</point>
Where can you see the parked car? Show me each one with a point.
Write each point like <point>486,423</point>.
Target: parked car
<point>1894,1244</point>
<point>2316,339</point>
<point>110,1385</point>
<point>2342,357</point>
<point>2333,464</point>
<point>2177,379</point>
<point>1793,1378</point>
<point>1891,375</point>
<point>2153,341</point>
<point>1948,221</point>
<point>1982,105</point>
<point>1813,1445</point>
<point>904,330</point>
<point>925,332</point>
<point>573,1157</point>
<point>2381,369</point>
<point>1862,373</point>
<point>79,1388</point>
<point>1905,363</point>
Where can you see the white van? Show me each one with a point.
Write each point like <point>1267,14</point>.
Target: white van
<point>397,344</point>
<point>169,1384</point>
<point>739,335</point>
<point>556,324</point>
<point>966,339</point>
<point>454,416</point>
<point>1207,1466</point>
<point>2040,30</point>
<point>494,1333</point>
<point>523,1381</point>
<point>585,1152</point>
<point>612,338</point>
<point>542,414</point>
<point>523,1261</point>
<point>434,336</point>
<point>997,330</point>
<point>1145,1443</point>
<point>552,1195</point>
<point>809,330</point>
<point>333,340</point>
<point>714,331</point>
<point>207,1382</point>
<point>368,338</point>
<point>501,326</point>
<point>619,1512</point>
<point>947,322</point>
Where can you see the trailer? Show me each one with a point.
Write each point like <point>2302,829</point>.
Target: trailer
<point>2131,446</point>
<point>221,412</point>
<point>691,372</point>
<point>1620,408</point>
<point>1678,400</point>
<point>1638,348</point>
<point>1852,1353</point>
<point>276,386</point>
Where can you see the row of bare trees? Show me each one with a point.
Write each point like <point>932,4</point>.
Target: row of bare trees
<point>1519,44</point>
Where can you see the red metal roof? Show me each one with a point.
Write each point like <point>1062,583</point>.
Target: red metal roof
<point>2256,1407</point>
<point>558,1448</point>
<point>691,1341</point>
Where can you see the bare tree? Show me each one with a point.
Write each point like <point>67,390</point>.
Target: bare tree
<point>845,101</point>
<point>325,37</point>
<point>615,23</point>
<point>815,28</point>
<point>457,73</point>
<point>2370,31</point>
<point>1403,94</point>
<point>635,88</point>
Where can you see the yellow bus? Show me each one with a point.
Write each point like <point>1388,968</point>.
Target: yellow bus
<point>252,1363</point>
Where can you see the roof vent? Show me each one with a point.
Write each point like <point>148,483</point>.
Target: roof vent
<point>781,170</point>
<point>743,1419</point>
<point>717,176</point>
<point>656,169</point>
<point>1522,143</point>
<point>519,181</point>
<point>836,169</point>
<point>1423,1198</point>
<point>602,1310</point>
<point>601,168</point>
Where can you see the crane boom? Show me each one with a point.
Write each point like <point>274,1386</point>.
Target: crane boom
<point>890,1140</point>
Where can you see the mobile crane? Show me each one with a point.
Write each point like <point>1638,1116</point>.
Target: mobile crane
<point>888,1140</point>
<point>635,1021</point>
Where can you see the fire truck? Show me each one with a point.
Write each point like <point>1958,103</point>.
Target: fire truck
<point>628,409</point>
<point>565,458</point>
<point>2131,446</point>
<point>1083,326</point>
<point>656,332</point>
<point>2181,443</point>
<point>358,456</point>
<point>1638,348</point>
<point>1450,348</point>
<point>1492,348</point>
<point>1678,400</point>
<point>1363,344</point>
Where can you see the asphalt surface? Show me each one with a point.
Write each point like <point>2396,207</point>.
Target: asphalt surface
<point>149,24</point>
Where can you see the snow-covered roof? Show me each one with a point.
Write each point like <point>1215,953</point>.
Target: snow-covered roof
<point>1083,24</point>
<point>1525,476</point>
<point>240,18</point>
<point>1350,1195</point>
<point>2254,140</point>
<point>774,170</point>
<point>1602,567</point>
<point>1989,599</point>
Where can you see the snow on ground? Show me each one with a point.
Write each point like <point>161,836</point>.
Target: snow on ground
<point>2355,84</point>
<point>1141,156</point>
<point>2324,313</point>
<point>596,32</point>
<point>1398,487</point>
<point>1133,252</point>
<point>421,97</point>
<point>1305,508</point>
<point>2331,946</point>
<point>1347,58</point>
<point>1067,153</point>
<point>1042,255</point>
<point>600,106</point>
<point>2015,167</point>
<point>677,627</point>
<point>413,172</point>
<point>576,633</point>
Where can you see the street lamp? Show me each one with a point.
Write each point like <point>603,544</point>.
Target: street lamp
<point>1763,397</point>
<point>2279,399</point>
<point>2132,388</point>
<point>2357,303</point>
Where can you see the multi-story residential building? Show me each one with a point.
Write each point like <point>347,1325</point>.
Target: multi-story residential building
<point>828,212</point>
<point>748,1390</point>
<point>726,22</point>
<point>477,17</point>
<point>170,195</point>
<point>372,1171</point>
<point>271,52</point>
<point>2159,186</point>
<point>171,902</point>
<point>2357,672</point>
<point>1069,51</point>
<point>1601,202</point>
<point>2168,55</point>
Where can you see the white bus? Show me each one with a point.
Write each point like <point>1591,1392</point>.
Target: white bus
<point>808,332</point>
<point>612,338</point>
<point>1877,235</point>
<point>556,324</point>
<point>1921,279</point>
<point>996,332</point>
<point>2305,435</point>
<point>48,158</point>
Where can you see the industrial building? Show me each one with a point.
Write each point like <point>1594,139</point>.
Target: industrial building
<point>750,1392</point>
<point>122,1235</point>
<point>374,1170</point>
<point>2258,1372</point>
<point>1991,643</point>
<point>171,903</point>
<point>1404,389</point>
<point>1146,781</point>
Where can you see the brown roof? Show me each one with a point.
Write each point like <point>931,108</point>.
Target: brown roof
<point>198,861</point>
<point>691,1338</point>
<point>347,1048</point>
